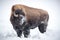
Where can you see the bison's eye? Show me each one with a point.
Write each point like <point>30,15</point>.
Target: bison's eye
<point>18,11</point>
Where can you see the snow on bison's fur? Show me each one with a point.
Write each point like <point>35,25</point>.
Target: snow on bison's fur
<point>24,18</point>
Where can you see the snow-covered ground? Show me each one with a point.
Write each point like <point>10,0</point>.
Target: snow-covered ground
<point>53,30</point>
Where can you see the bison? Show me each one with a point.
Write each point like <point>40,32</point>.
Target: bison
<point>24,18</point>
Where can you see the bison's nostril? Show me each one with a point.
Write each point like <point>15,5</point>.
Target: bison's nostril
<point>20,17</point>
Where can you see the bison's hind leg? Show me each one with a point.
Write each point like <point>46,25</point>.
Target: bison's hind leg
<point>42,27</point>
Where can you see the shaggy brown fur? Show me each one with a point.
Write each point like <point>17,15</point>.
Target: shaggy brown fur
<point>34,17</point>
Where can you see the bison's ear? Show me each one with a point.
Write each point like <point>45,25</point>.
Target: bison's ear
<point>12,8</point>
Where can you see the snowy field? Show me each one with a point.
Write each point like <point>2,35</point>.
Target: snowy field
<point>53,30</point>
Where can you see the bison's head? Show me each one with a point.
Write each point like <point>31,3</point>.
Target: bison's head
<point>17,12</point>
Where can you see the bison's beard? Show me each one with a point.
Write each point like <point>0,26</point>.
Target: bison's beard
<point>22,20</point>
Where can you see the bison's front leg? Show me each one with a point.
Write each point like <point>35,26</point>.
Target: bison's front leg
<point>18,30</point>
<point>26,30</point>
<point>19,33</point>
